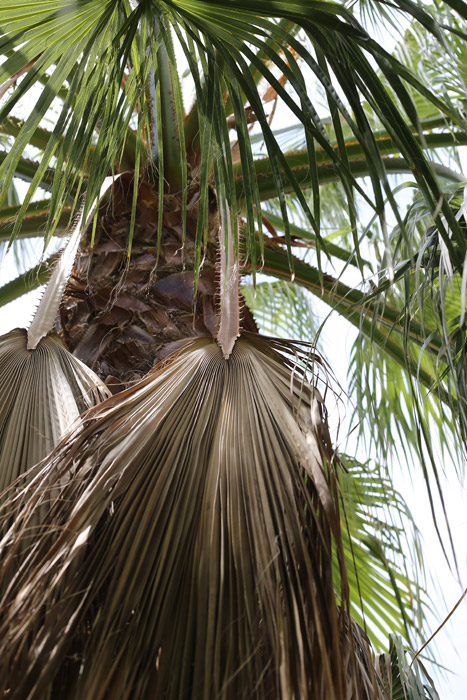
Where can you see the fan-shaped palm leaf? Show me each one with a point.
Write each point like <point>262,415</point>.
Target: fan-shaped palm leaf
<point>196,512</point>
<point>44,391</point>
<point>101,58</point>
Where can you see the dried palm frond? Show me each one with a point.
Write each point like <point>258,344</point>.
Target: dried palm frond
<point>43,391</point>
<point>43,387</point>
<point>189,553</point>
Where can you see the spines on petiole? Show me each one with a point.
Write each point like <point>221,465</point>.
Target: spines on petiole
<point>46,312</point>
<point>229,286</point>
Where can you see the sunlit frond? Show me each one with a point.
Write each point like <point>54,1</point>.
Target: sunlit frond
<point>382,549</point>
<point>44,391</point>
<point>98,61</point>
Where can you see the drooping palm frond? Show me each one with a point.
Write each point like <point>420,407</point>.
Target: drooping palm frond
<point>105,62</point>
<point>425,55</point>
<point>197,511</point>
<point>382,549</point>
<point>380,540</point>
<point>405,679</point>
<point>429,285</point>
<point>385,391</point>
<point>44,391</point>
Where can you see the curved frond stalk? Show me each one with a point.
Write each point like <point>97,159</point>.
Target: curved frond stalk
<point>44,391</point>
<point>362,310</point>
<point>34,221</point>
<point>196,511</point>
<point>26,170</point>
<point>229,285</point>
<point>47,310</point>
<point>12,126</point>
<point>327,172</point>
<point>304,237</point>
<point>32,279</point>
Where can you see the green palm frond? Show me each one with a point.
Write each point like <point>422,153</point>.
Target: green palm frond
<point>27,281</point>
<point>99,59</point>
<point>384,390</point>
<point>382,550</point>
<point>431,288</point>
<point>423,52</point>
<point>34,221</point>
<point>405,679</point>
<point>281,309</point>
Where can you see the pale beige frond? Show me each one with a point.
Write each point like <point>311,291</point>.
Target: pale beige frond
<point>44,391</point>
<point>189,553</point>
<point>229,285</point>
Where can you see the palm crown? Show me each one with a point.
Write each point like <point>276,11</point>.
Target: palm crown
<point>267,196</point>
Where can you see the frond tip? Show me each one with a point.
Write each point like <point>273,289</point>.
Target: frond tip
<point>189,551</point>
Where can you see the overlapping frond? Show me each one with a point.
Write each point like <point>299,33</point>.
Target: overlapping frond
<point>380,539</point>
<point>405,676</point>
<point>382,549</point>
<point>112,68</point>
<point>197,511</point>
<point>44,391</point>
<point>430,286</point>
<point>44,387</point>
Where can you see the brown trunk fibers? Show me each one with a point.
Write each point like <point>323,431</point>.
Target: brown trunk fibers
<point>121,316</point>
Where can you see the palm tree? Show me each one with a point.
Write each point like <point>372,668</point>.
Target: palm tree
<point>202,543</point>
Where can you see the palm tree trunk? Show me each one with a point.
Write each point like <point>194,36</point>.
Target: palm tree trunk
<point>120,316</point>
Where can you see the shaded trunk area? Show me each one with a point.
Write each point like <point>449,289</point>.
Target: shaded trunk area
<point>186,536</point>
<point>120,316</point>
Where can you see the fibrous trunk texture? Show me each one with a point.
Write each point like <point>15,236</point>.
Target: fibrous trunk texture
<point>120,316</point>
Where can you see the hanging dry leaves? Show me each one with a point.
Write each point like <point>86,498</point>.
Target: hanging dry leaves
<point>189,553</point>
<point>43,392</point>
